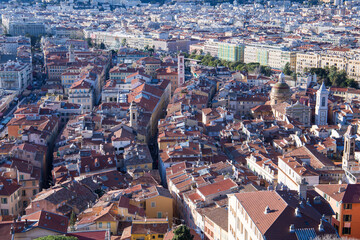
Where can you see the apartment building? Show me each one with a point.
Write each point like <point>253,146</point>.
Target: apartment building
<point>263,167</point>
<point>16,28</point>
<point>307,60</point>
<point>231,52</point>
<point>212,48</point>
<point>15,75</point>
<point>278,215</point>
<point>10,197</point>
<point>343,198</point>
<point>149,64</point>
<point>81,92</point>
<point>295,171</point>
<point>340,62</point>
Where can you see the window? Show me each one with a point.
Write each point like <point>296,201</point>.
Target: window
<point>346,230</point>
<point>347,218</point>
<point>21,177</point>
<point>4,200</point>
<point>34,192</point>
<point>33,183</point>
<point>23,193</point>
<point>108,225</point>
<point>100,224</point>
<point>153,204</point>
<point>323,102</point>
<point>159,214</point>
<point>4,212</point>
<point>160,236</point>
<point>347,206</point>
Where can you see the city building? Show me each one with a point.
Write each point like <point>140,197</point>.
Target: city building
<point>15,75</point>
<point>342,199</point>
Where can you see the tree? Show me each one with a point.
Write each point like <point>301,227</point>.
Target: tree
<point>182,233</point>
<point>351,83</point>
<point>88,40</point>
<point>266,70</point>
<point>287,70</point>
<point>57,237</point>
<point>123,42</point>
<point>72,220</point>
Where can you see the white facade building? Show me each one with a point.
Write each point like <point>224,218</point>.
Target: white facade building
<point>15,75</point>
<point>295,171</point>
<point>321,108</point>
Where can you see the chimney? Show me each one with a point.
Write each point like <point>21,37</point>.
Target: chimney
<point>297,212</point>
<point>302,188</point>
<point>292,228</point>
<point>317,200</point>
<point>267,210</point>
<point>341,189</point>
<point>12,232</point>
<point>321,226</point>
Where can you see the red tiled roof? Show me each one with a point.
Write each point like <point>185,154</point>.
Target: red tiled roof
<point>48,220</point>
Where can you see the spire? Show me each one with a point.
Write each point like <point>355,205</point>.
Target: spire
<point>322,87</point>
<point>282,77</point>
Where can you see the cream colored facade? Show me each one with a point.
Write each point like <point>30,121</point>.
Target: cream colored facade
<point>240,224</point>
<point>83,96</point>
<point>353,69</point>
<point>336,61</point>
<point>307,60</point>
<point>341,62</point>
<point>11,205</point>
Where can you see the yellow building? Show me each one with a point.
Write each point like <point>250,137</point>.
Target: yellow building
<point>307,60</point>
<point>81,92</point>
<point>353,69</point>
<point>339,62</point>
<point>137,156</point>
<point>99,218</point>
<point>10,200</point>
<point>157,202</point>
<point>147,229</point>
<point>127,211</point>
<point>150,65</point>
<point>69,77</point>
<point>170,138</point>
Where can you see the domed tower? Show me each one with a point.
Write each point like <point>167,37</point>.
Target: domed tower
<point>280,92</point>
